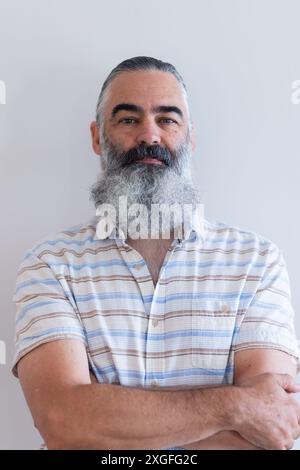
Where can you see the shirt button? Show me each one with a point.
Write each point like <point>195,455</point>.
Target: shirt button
<point>138,267</point>
<point>154,323</point>
<point>224,308</point>
<point>154,383</point>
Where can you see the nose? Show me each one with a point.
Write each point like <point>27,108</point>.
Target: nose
<point>149,134</point>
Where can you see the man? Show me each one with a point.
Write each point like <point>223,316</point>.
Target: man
<point>184,340</point>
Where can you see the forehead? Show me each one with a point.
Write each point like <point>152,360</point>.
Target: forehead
<point>147,89</point>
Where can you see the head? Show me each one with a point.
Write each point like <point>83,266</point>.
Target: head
<point>144,136</point>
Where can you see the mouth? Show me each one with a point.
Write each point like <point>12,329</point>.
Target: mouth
<point>150,161</point>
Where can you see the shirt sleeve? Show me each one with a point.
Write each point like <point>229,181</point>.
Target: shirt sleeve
<point>43,310</point>
<point>269,319</point>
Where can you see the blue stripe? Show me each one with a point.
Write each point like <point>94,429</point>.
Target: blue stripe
<point>93,240</point>
<point>229,241</point>
<point>78,267</point>
<point>267,306</point>
<point>170,264</point>
<point>212,296</point>
<point>164,375</point>
<point>112,295</point>
<point>58,330</point>
<point>281,276</point>
<point>60,240</point>
<point>44,282</point>
<point>159,336</point>
<point>32,306</point>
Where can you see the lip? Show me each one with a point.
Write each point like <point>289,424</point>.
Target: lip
<point>150,160</point>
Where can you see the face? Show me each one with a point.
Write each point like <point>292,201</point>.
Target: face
<point>145,143</point>
<point>144,108</point>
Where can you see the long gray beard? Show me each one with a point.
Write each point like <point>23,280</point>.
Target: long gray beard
<point>147,185</point>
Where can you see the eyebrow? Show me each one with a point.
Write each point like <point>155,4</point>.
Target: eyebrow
<point>138,109</point>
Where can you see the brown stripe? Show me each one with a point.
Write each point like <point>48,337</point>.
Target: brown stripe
<point>165,316</point>
<point>32,268</point>
<point>266,345</point>
<point>129,277</point>
<point>76,253</point>
<point>41,294</point>
<point>113,277</point>
<point>113,247</point>
<point>214,277</point>
<point>275,291</point>
<point>275,263</point>
<point>221,250</point>
<point>155,355</point>
<point>47,340</point>
<point>44,317</point>
<point>114,312</point>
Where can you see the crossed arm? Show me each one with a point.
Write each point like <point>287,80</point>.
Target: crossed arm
<point>71,411</point>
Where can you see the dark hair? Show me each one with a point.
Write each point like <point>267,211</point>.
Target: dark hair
<point>131,65</point>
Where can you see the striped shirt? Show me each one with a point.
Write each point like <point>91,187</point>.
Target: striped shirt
<point>220,290</point>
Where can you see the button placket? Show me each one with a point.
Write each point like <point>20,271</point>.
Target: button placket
<point>155,347</point>
<point>224,308</point>
<point>138,268</point>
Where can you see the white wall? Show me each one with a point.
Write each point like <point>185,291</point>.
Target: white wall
<point>239,59</point>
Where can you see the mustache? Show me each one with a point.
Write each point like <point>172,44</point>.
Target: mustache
<point>143,151</point>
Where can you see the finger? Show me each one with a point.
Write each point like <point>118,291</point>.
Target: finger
<point>293,388</point>
<point>287,382</point>
<point>296,434</point>
<point>289,444</point>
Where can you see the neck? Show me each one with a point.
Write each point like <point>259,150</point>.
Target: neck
<point>151,241</point>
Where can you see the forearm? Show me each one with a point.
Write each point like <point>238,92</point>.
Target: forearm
<point>225,440</point>
<point>105,416</point>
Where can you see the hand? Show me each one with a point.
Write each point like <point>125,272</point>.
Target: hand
<point>268,416</point>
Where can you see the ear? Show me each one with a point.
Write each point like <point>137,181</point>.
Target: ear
<point>95,134</point>
<point>193,137</point>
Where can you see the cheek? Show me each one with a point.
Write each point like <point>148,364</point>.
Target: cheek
<point>121,137</point>
<point>173,137</point>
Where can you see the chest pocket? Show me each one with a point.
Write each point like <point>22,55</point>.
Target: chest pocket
<point>213,329</point>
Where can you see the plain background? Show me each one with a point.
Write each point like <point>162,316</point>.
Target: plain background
<point>239,60</point>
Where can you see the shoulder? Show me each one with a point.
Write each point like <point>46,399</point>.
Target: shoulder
<point>75,239</point>
<point>235,238</point>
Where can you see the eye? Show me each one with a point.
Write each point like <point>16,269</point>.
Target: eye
<point>168,121</point>
<point>127,120</point>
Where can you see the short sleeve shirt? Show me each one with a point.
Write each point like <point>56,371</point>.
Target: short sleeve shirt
<point>220,290</point>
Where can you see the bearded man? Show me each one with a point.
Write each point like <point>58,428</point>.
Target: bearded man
<point>180,338</point>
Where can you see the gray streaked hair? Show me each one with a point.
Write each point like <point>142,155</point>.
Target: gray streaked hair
<point>132,65</point>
